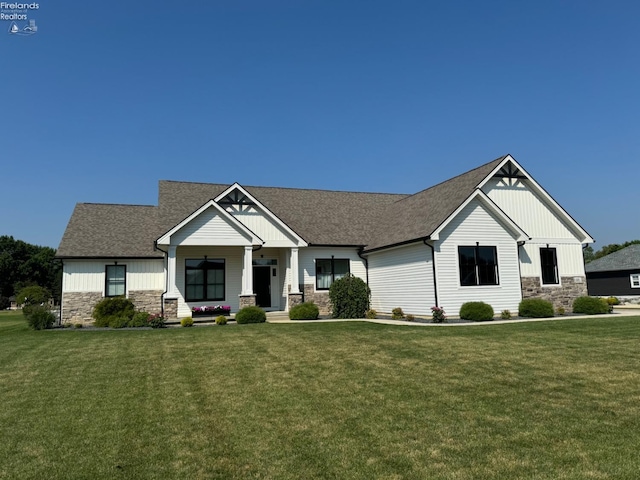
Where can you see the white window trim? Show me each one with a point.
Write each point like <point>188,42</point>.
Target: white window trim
<point>635,280</point>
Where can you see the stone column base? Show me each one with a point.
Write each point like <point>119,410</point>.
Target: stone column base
<point>294,299</point>
<point>171,308</point>
<point>247,301</point>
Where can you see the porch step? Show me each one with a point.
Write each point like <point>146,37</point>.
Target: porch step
<point>277,316</point>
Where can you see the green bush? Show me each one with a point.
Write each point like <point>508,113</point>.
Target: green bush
<point>397,314</point>
<point>410,318</point>
<point>221,320</point>
<point>613,301</point>
<point>590,305</point>
<point>304,311</point>
<point>476,311</point>
<point>186,322</point>
<point>349,297</point>
<point>40,317</point>
<point>438,315</point>
<point>251,315</point>
<point>119,321</point>
<point>140,319</point>
<point>112,307</point>
<point>33,295</point>
<point>156,321</point>
<point>371,314</point>
<point>535,308</point>
<point>560,310</point>
<point>505,315</point>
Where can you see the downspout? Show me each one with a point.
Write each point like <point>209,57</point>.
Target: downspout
<point>433,264</point>
<point>366,263</point>
<point>520,243</point>
<point>62,280</point>
<point>166,257</point>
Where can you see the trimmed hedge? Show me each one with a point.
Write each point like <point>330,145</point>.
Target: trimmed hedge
<point>476,311</point>
<point>349,297</point>
<point>304,311</point>
<point>591,305</point>
<point>535,308</point>
<point>251,315</point>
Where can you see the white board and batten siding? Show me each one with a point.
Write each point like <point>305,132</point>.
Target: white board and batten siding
<point>89,276</point>
<point>209,228</point>
<point>476,224</point>
<point>402,277</point>
<point>307,262</point>
<point>272,234</point>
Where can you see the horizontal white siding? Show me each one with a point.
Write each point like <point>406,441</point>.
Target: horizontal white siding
<point>272,234</point>
<point>402,277</point>
<point>89,275</point>
<point>570,259</point>
<point>526,209</point>
<point>233,257</point>
<point>209,228</point>
<point>475,224</point>
<point>307,262</point>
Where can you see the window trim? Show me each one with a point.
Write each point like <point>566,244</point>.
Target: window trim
<point>106,280</point>
<point>555,266</point>
<point>635,282</point>
<point>333,271</point>
<point>205,283</point>
<point>477,283</point>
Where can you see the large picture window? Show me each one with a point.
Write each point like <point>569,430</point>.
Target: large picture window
<point>478,265</point>
<point>115,280</point>
<point>328,270</point>
<point>204,279</point>
<point>549,263</point>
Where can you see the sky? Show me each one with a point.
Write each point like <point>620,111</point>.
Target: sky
<point>108,98</point>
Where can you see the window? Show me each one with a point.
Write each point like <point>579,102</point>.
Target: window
<point>204,279</point>
<point>478,265</point>
<point>549,262</point>
<point>115,280</point>
<point>635,280</point>
<point>328,270</point>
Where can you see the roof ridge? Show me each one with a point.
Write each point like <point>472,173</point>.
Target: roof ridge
<point>117,204</point>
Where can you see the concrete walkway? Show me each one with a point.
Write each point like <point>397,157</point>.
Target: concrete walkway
<point>622,311</point>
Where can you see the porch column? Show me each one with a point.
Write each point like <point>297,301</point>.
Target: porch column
<point>295,280</point>
<point>172,288</point>
<point>247,274</point>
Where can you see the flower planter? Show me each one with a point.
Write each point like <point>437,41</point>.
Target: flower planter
<point>210,310</point>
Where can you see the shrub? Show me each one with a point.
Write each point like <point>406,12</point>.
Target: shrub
<point>78,325</point>
<point>371,314</point>
<point>155,321</point>
<point>349,297</point>
<point>535,308</point>
<point>304,311</point>
<point>119,321</point>
<point>140,319</point>
<point>251,315</point>
<point>40,317</point>
<point>476,311</point>
<point>505,315</point>
<point>560,310</point>
<point>186,322</point>
<point>221,320</point>
<point>590,305</point>
<point>397,314</point>
<point>613,301</point>
<point>438,314</point>
<point>410,318</point>
<point>112,307</point>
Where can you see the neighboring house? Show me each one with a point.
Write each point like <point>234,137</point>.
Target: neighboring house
<point>491,234</point>
<point>616,274</point>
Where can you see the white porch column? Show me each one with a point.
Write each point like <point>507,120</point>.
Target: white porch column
<point>295,280</point>
<point>247,274</point>
<point>172,288</point>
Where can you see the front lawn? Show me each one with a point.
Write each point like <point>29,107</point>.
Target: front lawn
<point>548,400</point>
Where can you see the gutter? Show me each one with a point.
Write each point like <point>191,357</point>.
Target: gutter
<point>433,264</point>
<point>166,259</point>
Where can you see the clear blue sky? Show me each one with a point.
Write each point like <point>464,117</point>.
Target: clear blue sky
<point>386,96</point>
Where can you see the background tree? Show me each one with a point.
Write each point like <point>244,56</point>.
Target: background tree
<point>589,254</point>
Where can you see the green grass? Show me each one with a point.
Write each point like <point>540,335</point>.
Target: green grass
<point>550,400</point>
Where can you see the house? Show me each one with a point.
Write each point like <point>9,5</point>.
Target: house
<point>491,234</point>
<point>616,274</point>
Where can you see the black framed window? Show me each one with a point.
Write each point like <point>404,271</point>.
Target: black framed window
<point>115,280</point>
<point>478,265</point>
<point>204,279</point>
<point>328,270</point>
<point>549,264</point>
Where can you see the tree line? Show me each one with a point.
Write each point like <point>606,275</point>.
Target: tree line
<point>23,264</point>
<point>590,255</point>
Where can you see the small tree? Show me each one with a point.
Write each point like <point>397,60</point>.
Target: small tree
<point>32,295</point>
<point>349,297</point>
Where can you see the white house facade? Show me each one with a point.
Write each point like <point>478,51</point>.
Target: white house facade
<point>491,234</point>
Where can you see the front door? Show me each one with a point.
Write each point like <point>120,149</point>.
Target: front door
<point>262,285</point>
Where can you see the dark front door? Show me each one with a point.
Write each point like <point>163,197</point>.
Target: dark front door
<point>262,285</point>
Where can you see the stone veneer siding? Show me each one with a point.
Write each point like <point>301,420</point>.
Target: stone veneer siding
<point>78,306</point>
<point>294,299</point>
<point>561,295</point>
<point>147,300</point>
<point>321,299</point>
<point>171,308</point>
<point>247,301</point>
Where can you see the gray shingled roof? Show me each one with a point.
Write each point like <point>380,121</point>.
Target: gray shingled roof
<point>106,230</point>
<point>626,259</point>
<point>320,217</point>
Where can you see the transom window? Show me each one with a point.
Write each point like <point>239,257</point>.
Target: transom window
<point>115,280</point>
<point>635,280</point>
<point>204,279</point>
<point>478,265</point>
<point>549,263</point>
<point>328,270</point>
